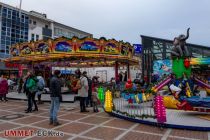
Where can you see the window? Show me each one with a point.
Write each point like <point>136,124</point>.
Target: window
<point>30,21</point>
<point>32,37</point>
<point>4,29</point>
<point>34,22</point>
<point>9,23</point>
<point>17,40</point>
<point>37,37</point>
<point>2,50</point>
<point>7,42</point>
<point>7,49</point>
<point>3,32</point>
<point>9,14</point>
<point>4,10</point>
<point>22,20</point>
<point>3,37</point>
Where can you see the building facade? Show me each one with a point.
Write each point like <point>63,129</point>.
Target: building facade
<point>18,26</point>
<point>160,49</point>
<point>40,27</point>
<point>14,28</point>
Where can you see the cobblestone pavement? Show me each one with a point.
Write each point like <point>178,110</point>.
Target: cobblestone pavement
<point>81,126</point>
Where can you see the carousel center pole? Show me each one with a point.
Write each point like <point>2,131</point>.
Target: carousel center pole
<point>128,70</point>
<point>116,71</point>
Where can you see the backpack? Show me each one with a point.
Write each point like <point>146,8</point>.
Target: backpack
<point>31,85</point>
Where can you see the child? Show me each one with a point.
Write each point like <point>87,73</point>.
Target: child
<point>95,100</point>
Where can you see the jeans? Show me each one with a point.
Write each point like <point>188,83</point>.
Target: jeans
<point>89,101</point>
<point>55,104</point>
<point>39,97</point>
<point>82,104</point>
<point>31,101</point>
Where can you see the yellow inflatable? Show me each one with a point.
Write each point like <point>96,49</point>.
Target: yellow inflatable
<point>208,91</point>
<point>170,102</point>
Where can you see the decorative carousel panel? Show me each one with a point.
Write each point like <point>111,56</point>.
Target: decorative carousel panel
<point>124,50</point>
<point>63,45</point>
<point>14,50</point>
<point>88,46</point>
<point>131,52</point>
<point>26,49</point>
<point>42,47</point>
<point>111,48</point>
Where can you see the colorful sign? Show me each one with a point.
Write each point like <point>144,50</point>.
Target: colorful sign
<point>75,48</point>
<point>42,48</point>
<point>124,50</point>
<point>9,65</point>
<point>110,48</point>
<point>26,49</point>
<point>137,49</point>
<point>63,47</point>
<point>162,67</point>
<point>89,46</point>
<point>14,51</point>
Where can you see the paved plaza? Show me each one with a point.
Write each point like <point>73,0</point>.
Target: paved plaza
<point>81,126</point>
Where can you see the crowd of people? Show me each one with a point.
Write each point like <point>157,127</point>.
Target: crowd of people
<point>33,85</point>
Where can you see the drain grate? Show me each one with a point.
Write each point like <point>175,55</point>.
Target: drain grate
<point>11,116</point>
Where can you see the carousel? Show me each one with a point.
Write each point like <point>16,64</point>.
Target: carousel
<point>75,52</point>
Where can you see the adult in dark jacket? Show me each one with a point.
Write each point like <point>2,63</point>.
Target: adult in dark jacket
<point>89,99</point>
<point>31,88</point>
<point>55,91</point>
<point>20,85</point>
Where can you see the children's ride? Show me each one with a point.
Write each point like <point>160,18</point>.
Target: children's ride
<point>182,82</point>
<point>133,95</point>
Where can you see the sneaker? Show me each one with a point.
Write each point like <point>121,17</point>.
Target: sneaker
<point>95,111</point>
<point>51,123</point>
<point>56,123</point>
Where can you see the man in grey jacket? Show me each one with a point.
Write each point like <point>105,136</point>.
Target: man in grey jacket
<point>83,91</point>
<point>55,91</point>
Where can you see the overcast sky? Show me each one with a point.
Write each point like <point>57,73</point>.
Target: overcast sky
<point>128,19</point>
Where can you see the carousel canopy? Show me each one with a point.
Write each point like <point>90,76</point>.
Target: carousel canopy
<point>75,51</point>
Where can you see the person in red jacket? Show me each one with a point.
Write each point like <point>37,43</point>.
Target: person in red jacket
<point>3,88</point>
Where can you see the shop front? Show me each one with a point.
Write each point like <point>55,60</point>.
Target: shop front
<point>11,70</point>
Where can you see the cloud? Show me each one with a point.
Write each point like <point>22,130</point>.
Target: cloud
<point>128,19</point>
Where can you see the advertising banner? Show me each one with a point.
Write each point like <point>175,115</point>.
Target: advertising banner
<point>162,67</point>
